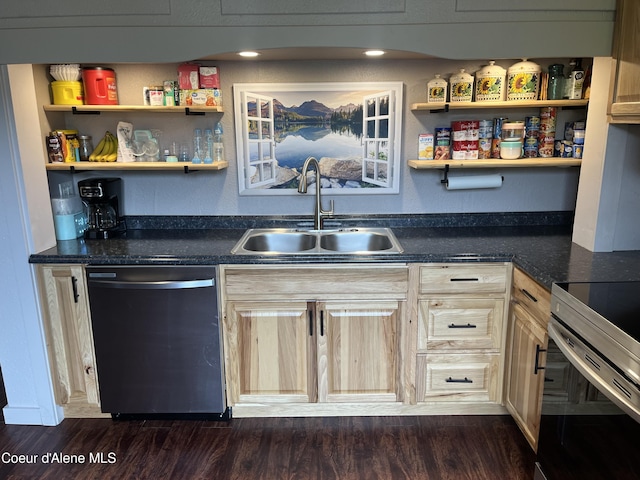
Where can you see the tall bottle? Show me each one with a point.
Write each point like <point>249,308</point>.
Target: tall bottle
<point>208,138</point>
<point>574,81</point>
<point>218,146</point>
<point>197,146</point>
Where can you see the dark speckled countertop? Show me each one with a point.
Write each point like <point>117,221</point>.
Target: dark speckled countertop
<point>539,243</point>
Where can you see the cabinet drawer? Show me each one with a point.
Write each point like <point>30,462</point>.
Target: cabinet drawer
<point>454,378</point>
<point>463,278</point>
<point>533,296</point>
<point>460,323</point>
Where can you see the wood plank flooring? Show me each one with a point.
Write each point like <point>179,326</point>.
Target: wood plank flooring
<point>358,448</point>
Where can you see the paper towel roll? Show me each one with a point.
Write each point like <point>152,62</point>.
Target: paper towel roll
<point>473,181</point>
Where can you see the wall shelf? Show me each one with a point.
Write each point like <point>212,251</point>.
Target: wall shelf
<point>186,167</point>
<point>97,109</point>
<point>495,163</point>
<point>445,107</point>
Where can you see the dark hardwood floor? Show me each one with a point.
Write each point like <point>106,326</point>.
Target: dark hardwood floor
<point>389,448</point>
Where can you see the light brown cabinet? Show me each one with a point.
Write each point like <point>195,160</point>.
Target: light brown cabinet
<point>529,315</point>
<point>313,335</point>
<point>460,338</point>
<point>69,339</point>
<point>625,94</point>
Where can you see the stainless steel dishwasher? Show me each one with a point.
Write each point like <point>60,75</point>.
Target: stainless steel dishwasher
<point>157,340</point>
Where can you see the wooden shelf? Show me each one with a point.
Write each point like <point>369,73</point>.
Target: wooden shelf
<point>495,163</point>
<point>97,109</point>
<point>443,107</point>
<point>148,166</point>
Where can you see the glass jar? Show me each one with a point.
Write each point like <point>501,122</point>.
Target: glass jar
<point>86,147</point>
<point>555,86</point>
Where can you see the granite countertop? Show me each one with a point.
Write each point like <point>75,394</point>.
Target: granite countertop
<point>545,251</point>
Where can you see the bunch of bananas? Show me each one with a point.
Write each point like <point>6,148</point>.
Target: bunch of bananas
<point>106,150</point>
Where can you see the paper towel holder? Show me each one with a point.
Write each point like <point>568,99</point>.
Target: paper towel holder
<point>445,179</point>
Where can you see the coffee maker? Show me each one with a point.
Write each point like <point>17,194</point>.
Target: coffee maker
<point>102,198</point>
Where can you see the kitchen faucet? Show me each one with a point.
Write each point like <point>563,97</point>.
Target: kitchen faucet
<point>318,212</point>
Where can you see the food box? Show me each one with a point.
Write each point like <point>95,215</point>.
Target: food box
<point>209,77</point>
<point>425,146</point>
<point>204,97</point>
<point>188,76</point>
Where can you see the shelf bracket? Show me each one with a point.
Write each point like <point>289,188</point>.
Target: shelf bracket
<point>440,110</point>
<point>75,111</point>
<point>186,169</point>
<point>446,175</point>
<point>187,111</point>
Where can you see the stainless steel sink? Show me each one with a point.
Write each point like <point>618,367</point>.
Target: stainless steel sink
<point>356,241</point>
<point>280,241</point>
<point>347,241</point>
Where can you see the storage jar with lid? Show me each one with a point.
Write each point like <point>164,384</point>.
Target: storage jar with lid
<point>461,87</point>
<point>490,82</point>
<point>100,86</point>
<point>437,90</point>
<point>523,81</point>
<point>512,131</point>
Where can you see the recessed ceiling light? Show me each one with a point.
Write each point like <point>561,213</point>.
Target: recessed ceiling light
<point>374,53</point>
<point>248,54</point>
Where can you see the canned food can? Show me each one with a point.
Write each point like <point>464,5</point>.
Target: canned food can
<point>485,128</point>
<point>545,149</point>
<point>484,148</point>
<point>497,126</point>
<point>577,150</point>
<point>531,151</point>
<point>495,148</point>
<point>563,148</point>
<point>531,126</point>
<point>568,130</point>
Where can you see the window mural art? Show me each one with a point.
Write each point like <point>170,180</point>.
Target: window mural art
<point>353,129</point>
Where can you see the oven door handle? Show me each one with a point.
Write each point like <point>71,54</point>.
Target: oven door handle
<point>162,285</point>
<point>567,343</point>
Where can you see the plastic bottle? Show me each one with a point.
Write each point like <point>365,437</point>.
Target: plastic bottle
<point>208,138</point>
<point>218,146</point>
<point>197,146</point>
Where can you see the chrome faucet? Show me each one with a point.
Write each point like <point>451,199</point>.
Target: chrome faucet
<point>318,212</point>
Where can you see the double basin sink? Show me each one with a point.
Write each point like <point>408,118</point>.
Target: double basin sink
<point>345,241</point>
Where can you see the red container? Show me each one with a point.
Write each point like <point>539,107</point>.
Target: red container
<point>100,86</point>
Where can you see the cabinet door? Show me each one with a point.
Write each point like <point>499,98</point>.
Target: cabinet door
<point>271,352</point>
<point>526,378</point>
<point>358,351</point>
<point>70,338</point>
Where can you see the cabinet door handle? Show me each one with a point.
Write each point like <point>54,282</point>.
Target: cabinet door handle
<point>74,287</point>
<point>322,323</point>
<point>531,297</point>
<point>464,279</point>
<point>537,367</point>
<point>310,315</point>
<point>468,325</point>
<point>458,380</point>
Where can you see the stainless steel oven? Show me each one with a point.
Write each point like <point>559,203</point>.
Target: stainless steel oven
<point>590,425</point>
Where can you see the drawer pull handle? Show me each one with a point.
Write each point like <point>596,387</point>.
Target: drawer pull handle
<point>537,367</point>
<point>464,279</point>
<point>74,287</point>
<point>468,325</point>
<point>531,297</point>
<point>458,380</point>
<point>310,315</point>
